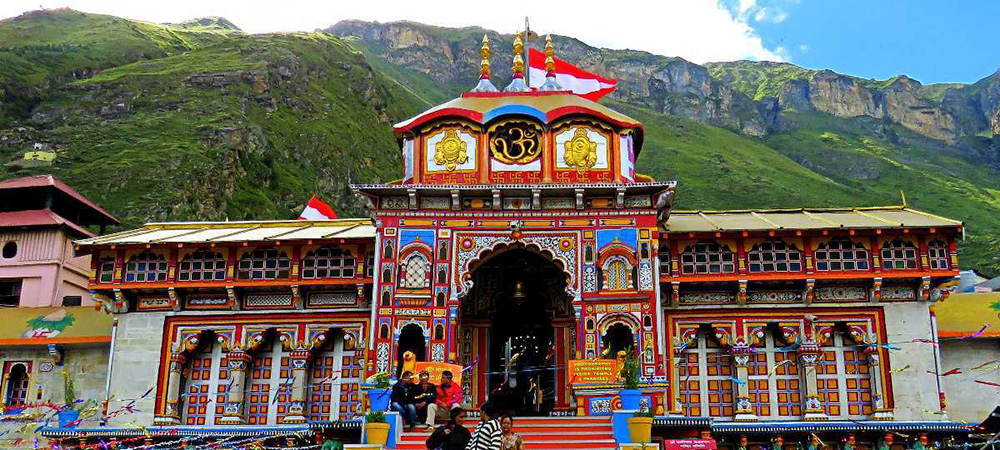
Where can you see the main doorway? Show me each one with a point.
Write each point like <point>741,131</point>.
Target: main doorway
<point>519,308</point>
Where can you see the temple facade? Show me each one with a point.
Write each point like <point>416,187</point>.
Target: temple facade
<point>520,239</point>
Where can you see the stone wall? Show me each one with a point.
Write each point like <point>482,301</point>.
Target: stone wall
<point>915,391</point>
<point>967,400</point>
<point>136,365</point>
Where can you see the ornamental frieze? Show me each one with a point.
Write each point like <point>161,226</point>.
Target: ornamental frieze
<point>562,247</point>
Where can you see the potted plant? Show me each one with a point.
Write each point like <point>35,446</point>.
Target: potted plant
<point>379,391</point>
<point>629,372</point>
<point>69,414</point>
<point>376,428</point>
<point>640,426</point>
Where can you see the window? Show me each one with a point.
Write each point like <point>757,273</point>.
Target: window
<point>938,252</point>
<point>328,262</point>
<point>616,275</point>
<point>198,388</point>
<point>324,389</point>
<point>10,292</point>
<point>264,264</point>
<point>269,386</point>
<point>146,267</point>
<point>106,270</point>
<point>773,379</point>
<point>841,254</point>
<point>16,389</point>
<point>843,378</point>
<point>706,379</point>
<point>415,272</point>
<point>72,300</point>
<point>370,265</point>
<point>775,256</point>
<point>203,265</point>
<point>707,257</point>
<point>664,260</point>
<point>10,250</point>
<point>899,255</point>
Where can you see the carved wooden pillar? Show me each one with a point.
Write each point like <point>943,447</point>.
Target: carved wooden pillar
<point>300,359</point>
<point>239,364</point>
<point>741,353</point>
<point>171,414</point>
<point>808,359</point>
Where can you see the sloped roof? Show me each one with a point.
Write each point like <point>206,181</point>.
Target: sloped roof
<point>41,181</point>
<point>40,218</point>
<point>803,219</point>
<point>963,314</point>
<point>205,232</point>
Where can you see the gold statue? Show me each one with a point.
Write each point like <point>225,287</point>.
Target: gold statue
<point>451,151</point>
<point>580,151</point>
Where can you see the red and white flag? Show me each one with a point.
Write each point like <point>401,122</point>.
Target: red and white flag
<point>585,84</point>
<point>317,210</point>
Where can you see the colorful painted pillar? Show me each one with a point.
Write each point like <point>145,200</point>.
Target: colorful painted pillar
<point>171,414</point>
<point>239,362</point>
<point>879,407</point>
<point>300,360</point>
<point>808,354</point>
<point>741,353</point>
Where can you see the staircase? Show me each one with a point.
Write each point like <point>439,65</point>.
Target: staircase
<point>556,433</point>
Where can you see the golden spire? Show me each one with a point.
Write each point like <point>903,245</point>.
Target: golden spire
<point>484,65</point>
<point>550,53</point>
<point>518,67</point>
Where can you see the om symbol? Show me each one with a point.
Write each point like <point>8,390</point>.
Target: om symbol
<point>515,144</point>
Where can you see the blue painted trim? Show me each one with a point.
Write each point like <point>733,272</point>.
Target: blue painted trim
<point>619,423</point>
<point>514,109</point>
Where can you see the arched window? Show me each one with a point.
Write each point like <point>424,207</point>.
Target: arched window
<point>443,250</point>
<point>415,272</point>
<point>707,257</point>
<point>841,254</point>
<point>328,262</point>
<point>706,379</point>
<point>264,264</point>
<point>617,337</point>
<point>17,376</point>
<point>843,377</point>
<point>898,254</point>
<point>442,275</point>
<point>938,255</point>
<point>774,256</point>
<point>146,267</point>
<point>773,378</point>
<point>439,300</point>
<point>106,270</point>
<point>203,265</point>
<point>438,332</point>
<point>387,249</point>
<point>616,274</point>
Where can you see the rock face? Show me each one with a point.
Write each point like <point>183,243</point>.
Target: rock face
<point>743,96</point>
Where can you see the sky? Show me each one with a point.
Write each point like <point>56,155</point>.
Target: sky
<point>931,41</point>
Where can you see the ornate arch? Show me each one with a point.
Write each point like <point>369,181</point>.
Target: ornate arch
<point>623,318</point>
<point>472,249</point>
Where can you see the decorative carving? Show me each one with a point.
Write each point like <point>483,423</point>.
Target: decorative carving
<point>437,352</point>
<point>515,142</point>
<point>394,202</point>
<point>332,299</point>
<point>580,152</point>
<point>472,245</point>
<point>841,293</point>
<point>707,297</point>
<point>774,297</point>
<point>645,276</point>
<point>451,151</point>
<point>382,357</point>
<point>890,293</point>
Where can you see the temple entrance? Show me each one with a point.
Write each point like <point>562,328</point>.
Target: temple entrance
<point>519,305</point>
<point>411,339</point>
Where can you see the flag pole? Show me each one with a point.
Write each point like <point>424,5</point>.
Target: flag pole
<point>527,64</point>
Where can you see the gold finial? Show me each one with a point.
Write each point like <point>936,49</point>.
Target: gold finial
<point>550,53</point>
<point>518,67</point>
<point>484,65</point>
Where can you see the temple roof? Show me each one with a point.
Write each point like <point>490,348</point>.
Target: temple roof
<point>965,314</point>
<point>804,219</point>
<point>41,218</point>
<point>482,107</point>
<point>219,232</point>
<point>21,193</point>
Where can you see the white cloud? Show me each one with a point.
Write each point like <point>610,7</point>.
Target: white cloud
<point>770,14</point>
<point>697,30</point>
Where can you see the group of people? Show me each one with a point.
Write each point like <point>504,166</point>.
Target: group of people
<point>495,432</point>
<point>412,400</point>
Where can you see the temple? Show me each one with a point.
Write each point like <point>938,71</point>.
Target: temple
<point>520,227</point>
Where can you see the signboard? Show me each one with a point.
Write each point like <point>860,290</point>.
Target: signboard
<point>593,371</point>
<point>435,369</point>
<point>689,444</point>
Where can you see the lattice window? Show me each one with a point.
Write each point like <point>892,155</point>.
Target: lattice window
<point>328,262</point>
<point>775,256</point>
<point>617,274</point>
<point>259,389</point>
<point>899,255</point>
<point>18,377</point>
<point>415,272</point>
<point>370,265</point>
<point>198,388</point>
<point>106,270</point>
<point>706,380</point>
<point>707,257</point>
<point>774,381</point>
<point>844,380</point>
<point>664,260</point>
<point>146,267</point>
<point>264,264</point>
<point>841,254</point>
<point>203,265</point>
<point>270,386</point>
<point>938,255</point>
<point>222,388</point>
<point>325,383</point>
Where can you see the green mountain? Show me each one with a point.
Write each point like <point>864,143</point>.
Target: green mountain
<point>199,120</point>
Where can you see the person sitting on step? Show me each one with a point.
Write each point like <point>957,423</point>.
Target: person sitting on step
<point>449,397</point>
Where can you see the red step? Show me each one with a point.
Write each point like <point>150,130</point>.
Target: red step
<point>556,433</point>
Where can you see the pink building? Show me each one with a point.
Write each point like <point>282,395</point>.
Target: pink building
<point>40,217</point>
